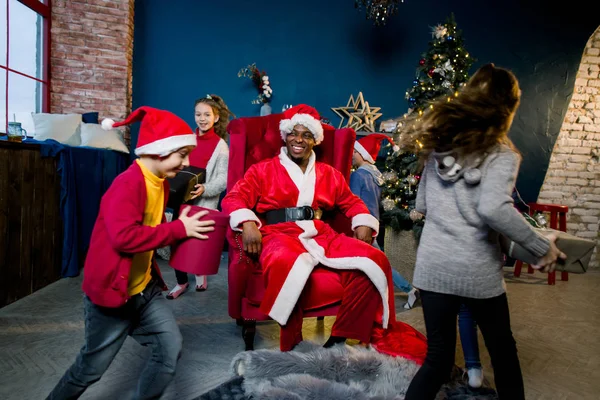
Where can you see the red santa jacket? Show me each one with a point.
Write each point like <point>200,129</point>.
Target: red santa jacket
<point>280,183</point>
<point>119,234</point>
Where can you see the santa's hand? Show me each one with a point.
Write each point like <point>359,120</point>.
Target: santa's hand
<point>251,238</point>
<point>198,191</point>
<point>364,234</point>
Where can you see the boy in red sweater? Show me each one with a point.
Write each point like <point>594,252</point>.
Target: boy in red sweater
<point>122,283</point>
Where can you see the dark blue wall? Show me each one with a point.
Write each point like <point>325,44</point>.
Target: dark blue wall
<point>320,52</point>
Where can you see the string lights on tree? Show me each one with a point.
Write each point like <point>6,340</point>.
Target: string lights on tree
<point>442,70</point>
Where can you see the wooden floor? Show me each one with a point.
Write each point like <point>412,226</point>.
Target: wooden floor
<point>557,330</point>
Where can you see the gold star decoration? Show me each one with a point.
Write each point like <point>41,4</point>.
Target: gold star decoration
<point>344,112</point>
<point>361,116</point>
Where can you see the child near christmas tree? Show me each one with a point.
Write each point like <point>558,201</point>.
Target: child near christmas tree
<point>366,183</point>
<point>122,283</point>
<point>212,116</point>
<point>465,192</point>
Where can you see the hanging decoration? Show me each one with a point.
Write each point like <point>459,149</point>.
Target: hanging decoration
<point>378,11</point>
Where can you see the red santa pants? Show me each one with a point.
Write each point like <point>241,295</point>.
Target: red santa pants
<point>356,315</point>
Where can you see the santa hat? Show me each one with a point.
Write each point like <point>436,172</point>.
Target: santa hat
<point>303,115</point>
<point>161,132</point>
<point>368,147</point>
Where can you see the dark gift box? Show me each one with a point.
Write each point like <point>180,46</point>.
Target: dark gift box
<point>183,184</point>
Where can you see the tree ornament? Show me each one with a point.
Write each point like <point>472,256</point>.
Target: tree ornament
<point>422,61</point>
<point>412,180</point>
<point>388,204</point>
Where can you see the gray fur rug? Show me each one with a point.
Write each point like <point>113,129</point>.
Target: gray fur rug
<point>311,372</point>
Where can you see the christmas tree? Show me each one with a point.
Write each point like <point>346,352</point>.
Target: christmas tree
<point>442,70</point>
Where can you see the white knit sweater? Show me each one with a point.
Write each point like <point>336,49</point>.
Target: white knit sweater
<point>216,177</point>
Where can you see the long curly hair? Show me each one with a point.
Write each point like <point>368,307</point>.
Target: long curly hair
<point>219,108</point>
<point>473,122</point>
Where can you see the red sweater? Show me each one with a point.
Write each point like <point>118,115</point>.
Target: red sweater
<point>118,234</point>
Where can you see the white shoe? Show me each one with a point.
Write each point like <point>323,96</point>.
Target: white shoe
<point>413,296</point>
<point>475,377</point>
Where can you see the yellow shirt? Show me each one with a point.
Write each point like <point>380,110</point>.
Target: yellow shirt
<point>140,273</point>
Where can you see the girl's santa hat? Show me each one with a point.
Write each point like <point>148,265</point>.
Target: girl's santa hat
<point>303,115</point>
<point>368,146</point>
<point>161,132</point>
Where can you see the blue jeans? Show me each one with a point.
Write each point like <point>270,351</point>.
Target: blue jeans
<point>399,281</point>
<point>467,328</point>
<point>149,320</point>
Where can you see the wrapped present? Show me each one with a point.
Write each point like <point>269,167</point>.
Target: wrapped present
<point>198,256</point>
<point>578,250</point>
<point>182,185</point>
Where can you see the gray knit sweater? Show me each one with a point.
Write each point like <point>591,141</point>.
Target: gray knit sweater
<point>468,203</point>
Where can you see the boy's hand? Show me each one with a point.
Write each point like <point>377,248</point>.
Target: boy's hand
<point>198,192</point>
<point>193,226</point>
<point>364,233</point>
<point>251,238</point>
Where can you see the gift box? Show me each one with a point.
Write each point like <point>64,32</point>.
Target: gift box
<point>182,185</point>
<point>201,256</point>
<point>578,250</point>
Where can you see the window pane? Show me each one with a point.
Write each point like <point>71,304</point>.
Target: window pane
<point>26,40</point>
<point>3,32</point>
<point>24,97</point>
<point>3,100</point>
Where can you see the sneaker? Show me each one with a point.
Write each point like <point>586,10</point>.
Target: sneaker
<point>201,283</point>
<point>475,377</point>
<point>177,291</point>
<point>413,296</point>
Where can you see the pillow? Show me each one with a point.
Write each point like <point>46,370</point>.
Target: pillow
<point>90,118</point>
<point>93,135</point>
<point>63,128</point>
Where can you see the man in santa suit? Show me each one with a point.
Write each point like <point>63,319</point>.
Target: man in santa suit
<point>289,192</point>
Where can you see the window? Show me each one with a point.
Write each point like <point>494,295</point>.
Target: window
<point>24,60</point>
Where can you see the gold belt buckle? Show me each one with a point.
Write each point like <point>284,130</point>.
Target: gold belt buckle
<point>318,213</point>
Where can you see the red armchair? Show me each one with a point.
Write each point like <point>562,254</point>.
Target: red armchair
<point>252,140</point>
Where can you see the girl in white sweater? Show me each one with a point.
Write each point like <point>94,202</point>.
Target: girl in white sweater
<point>212,116</point>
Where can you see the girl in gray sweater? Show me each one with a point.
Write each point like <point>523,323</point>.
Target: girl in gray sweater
<point>465,191</point>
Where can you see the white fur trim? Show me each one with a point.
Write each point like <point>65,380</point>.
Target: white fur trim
<point>304,181</point>
<point>365,220</point>
<point>292,288</point>
<point>107,124</point>
<point>166,146</point>
<point>363,152</point>
<point>240,216</point>
<point>306,120</point>
<point>364,264</point>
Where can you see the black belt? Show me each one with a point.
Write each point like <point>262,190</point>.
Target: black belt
<point>292,214</point>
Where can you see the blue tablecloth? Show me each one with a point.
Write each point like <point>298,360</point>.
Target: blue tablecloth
<point>86,173</point>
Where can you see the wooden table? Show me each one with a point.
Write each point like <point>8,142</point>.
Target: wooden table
<point>30,221</point>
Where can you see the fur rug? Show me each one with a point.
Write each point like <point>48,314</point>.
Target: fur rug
<point>311,372</point>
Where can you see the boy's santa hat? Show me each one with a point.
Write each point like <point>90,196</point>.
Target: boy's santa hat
<point>161,132</point>
<point>368,146</point>
<point>303,115</point>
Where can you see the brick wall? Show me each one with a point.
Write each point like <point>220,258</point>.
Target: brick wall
<point>573,177</point>
<point>91,57</point>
